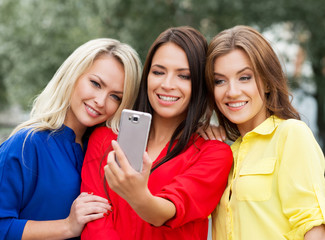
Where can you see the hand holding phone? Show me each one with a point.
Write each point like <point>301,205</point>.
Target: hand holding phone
<point>133,136</point>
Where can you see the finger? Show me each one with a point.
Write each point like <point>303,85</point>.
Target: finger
<point>210,133</point>
<point>95,207</point>
<point>90,197</point>
<point>93,217</point>
<point>219,132</point>
<point>83,194</point>
<point>109,175</point>
<point>123,161</point>
<point>202,134</point>
<point>223,133</point>
<point>112,164</point>
<point>147,163</point>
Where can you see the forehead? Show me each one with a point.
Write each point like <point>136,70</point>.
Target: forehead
<point>170,54</point>
<point>233,61</point>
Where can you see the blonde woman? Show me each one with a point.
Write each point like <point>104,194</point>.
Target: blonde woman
<point>40,163</point>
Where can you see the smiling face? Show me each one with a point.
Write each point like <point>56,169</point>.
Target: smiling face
<point>236,92</point>
<point>169,82</point>
<point>96,95</point>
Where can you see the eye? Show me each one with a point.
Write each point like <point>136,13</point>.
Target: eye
<point>116,97</point>
<point>95,83</point>
<point>184,76</point>
<point>218,81</point>
<point>155,72</point>
<point>245,78</point>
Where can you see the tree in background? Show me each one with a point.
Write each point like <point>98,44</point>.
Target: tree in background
<point>36,36</point>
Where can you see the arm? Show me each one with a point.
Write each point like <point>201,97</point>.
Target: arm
<point>84,209</point>
<point>197,189</point>
<point>133,187</point>
<point>92,176</point>
<point>18,180</point>
<point>316,233</point>
<point>202,169</point>
<point>301,176</point>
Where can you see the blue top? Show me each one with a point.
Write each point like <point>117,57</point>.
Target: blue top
<point>39,178</point>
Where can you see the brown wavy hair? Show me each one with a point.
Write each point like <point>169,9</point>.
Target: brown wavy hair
<point>266,67</point>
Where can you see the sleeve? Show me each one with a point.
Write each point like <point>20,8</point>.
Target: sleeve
<point>301,180</point>
<point>16,184</point>
<point>92,175</point>
<point>197,191</point>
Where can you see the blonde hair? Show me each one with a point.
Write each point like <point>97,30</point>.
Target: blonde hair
<point>50,107</point>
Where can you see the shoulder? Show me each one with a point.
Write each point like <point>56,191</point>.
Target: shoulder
<point>102,134</point>
<point>100,139</point>
<point>214,148</point>
<point>215,145</point>
<point>25,137</point>
<point>294,127</point>
<point>294,135</point>
<point>22,145</point>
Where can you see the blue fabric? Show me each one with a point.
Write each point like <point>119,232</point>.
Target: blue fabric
<point>39,178</point>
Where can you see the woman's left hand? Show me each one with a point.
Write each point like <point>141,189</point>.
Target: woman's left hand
<point>124,180</point>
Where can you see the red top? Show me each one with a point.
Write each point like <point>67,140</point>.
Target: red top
<point>194,181</point>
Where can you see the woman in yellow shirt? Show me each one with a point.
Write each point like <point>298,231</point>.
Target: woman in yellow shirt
<point>276,189</point>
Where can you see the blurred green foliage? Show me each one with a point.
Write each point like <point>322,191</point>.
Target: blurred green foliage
<point>36,36</point>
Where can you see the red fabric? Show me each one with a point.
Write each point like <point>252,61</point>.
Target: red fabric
<point>194,181</point>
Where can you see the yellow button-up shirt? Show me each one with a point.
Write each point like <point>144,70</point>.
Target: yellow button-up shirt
<point>276,188</point>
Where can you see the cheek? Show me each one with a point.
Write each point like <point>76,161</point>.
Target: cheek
<point>111,108</point>
<point>218,99</point>
<point>217,95</point>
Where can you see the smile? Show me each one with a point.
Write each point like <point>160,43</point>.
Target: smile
<point>91,110</point>
<point>236,105</point>
<point>168,98</point>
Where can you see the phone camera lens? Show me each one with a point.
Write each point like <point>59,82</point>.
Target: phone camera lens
<point>135,118</point>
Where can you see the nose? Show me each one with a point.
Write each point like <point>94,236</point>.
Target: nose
<point>168,81</point>
<point>100,99</point>
<point>233,89</point>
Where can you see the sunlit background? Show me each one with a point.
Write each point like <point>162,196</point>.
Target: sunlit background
<point>36,37</point>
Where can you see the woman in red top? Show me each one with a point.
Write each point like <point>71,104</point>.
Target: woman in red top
<point>173,196</point>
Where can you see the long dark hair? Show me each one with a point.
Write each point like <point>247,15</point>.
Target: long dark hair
<point>195,46</point>
<point>266,66</point>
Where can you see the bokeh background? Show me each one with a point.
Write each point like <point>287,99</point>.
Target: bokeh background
<point>36,37</point>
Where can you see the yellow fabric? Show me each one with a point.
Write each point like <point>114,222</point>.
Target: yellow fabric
<point>276,186</point>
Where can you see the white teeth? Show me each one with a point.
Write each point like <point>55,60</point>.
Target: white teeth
<point>168,99</point>
<point>239,104</point>
<point>92,110</point>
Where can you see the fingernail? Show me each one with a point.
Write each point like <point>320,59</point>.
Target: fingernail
<point>90,193</point>
<point>105,214</point>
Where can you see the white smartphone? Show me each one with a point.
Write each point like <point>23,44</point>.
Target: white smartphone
<point>133,136</point>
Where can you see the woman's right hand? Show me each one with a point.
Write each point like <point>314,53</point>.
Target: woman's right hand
<point>85,208</point>
<point>213,132</point>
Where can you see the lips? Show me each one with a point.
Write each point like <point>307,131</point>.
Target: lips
<point>236,104</point>
<point>92,111</point>
<point>167,98</point>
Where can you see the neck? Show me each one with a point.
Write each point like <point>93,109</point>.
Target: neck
<point>160,134</point>
<point>78,131</point>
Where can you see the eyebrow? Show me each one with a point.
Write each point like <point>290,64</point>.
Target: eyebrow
<point>104,84</point>
<point>163,67</point>
<point>240,71</point>
<point>100,79</point>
